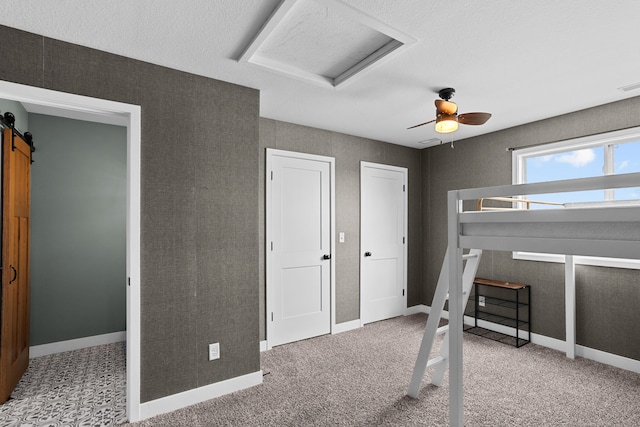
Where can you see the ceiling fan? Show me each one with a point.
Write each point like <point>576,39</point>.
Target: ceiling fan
<point>447,117</point>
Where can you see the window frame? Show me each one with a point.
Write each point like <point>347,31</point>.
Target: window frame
<point>607,140</point>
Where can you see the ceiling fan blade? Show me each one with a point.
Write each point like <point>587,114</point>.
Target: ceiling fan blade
<point>473,118</point>
<point>422,124</point>
<point>446,107</point>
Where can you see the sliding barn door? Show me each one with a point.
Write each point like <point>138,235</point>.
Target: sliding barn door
<point>14,309</point>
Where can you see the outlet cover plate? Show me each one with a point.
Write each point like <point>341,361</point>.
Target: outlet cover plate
<point>214,351</point>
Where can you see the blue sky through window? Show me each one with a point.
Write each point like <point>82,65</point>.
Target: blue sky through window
<point>627,160</point>
<point>583,163</point>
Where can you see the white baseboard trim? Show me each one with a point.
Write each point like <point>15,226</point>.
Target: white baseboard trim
<point>560,345</point>
<point>556,344</point>
<point>197,395</point>
<point>346,326</point>
<point>76,344</point>
<point>415,309</point>
<point>608,358</point>
<point>263,346</point>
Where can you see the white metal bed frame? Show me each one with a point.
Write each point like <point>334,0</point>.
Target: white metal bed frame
<point>601,231</point>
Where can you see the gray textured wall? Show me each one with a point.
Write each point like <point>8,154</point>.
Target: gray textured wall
<point>348,151</point>
<point>199,231</point>
<point>607,298</point>
<point>78,229</point>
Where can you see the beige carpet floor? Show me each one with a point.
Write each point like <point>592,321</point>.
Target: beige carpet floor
<point>360,377</point>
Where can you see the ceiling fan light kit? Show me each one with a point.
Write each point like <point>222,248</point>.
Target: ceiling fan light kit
<point>446,123</point>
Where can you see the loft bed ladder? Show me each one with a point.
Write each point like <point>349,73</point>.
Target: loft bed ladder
<point>432,330</point>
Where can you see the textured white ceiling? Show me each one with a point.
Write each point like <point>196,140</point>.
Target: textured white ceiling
<point>521,61</point>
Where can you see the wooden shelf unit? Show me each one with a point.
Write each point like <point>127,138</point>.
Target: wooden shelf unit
<point>501,303</point>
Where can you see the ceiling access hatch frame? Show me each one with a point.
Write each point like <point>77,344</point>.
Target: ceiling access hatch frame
<point>372,42</point>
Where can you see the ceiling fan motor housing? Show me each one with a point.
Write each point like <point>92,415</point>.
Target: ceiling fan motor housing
<point>446,93</point>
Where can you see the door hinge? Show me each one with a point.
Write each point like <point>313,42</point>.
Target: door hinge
<point>403,292</point>
<point>129,281</point>
<point>403,241</point>
<point>272,316</point>
<point>404,188</point>
<point>271,246</point>
<point>271,175</point>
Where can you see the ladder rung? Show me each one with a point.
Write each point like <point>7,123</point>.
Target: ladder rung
<point>442,329</point>
<point>435,361</point>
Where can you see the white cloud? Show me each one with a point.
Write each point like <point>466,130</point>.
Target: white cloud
<point>578,158</point>
<point>623,165</point>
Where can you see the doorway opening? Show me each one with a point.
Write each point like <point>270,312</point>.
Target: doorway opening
<point>109,112</point>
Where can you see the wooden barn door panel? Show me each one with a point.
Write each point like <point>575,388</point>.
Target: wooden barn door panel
<point>14,309</point>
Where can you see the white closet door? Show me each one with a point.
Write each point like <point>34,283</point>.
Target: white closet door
<point>300,245</point>
<point>383,240</point>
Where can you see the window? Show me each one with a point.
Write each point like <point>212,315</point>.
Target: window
<point>604,154</point>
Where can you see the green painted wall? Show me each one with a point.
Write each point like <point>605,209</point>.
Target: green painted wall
<point>78,234</point>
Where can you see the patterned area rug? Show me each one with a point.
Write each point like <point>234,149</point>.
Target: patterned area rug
<point>84,387</point>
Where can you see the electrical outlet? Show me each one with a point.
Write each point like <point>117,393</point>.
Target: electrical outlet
<point>214,351</point>
<point>481,301</point>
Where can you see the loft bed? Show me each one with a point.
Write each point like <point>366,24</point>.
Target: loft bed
<point>604,230</point>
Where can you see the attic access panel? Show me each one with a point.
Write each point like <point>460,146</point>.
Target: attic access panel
<point>325,42</point>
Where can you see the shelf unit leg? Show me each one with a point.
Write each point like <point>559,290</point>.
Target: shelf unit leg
<point>517,318</point>
<point>477,298</point>
<point>529,311</point>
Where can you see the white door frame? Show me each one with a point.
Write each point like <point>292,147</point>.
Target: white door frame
<point>405,173</point>
<point>268,232</point>
<point>99,110</point>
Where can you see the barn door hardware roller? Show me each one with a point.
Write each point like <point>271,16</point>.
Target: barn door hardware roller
<point>8,120</point>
